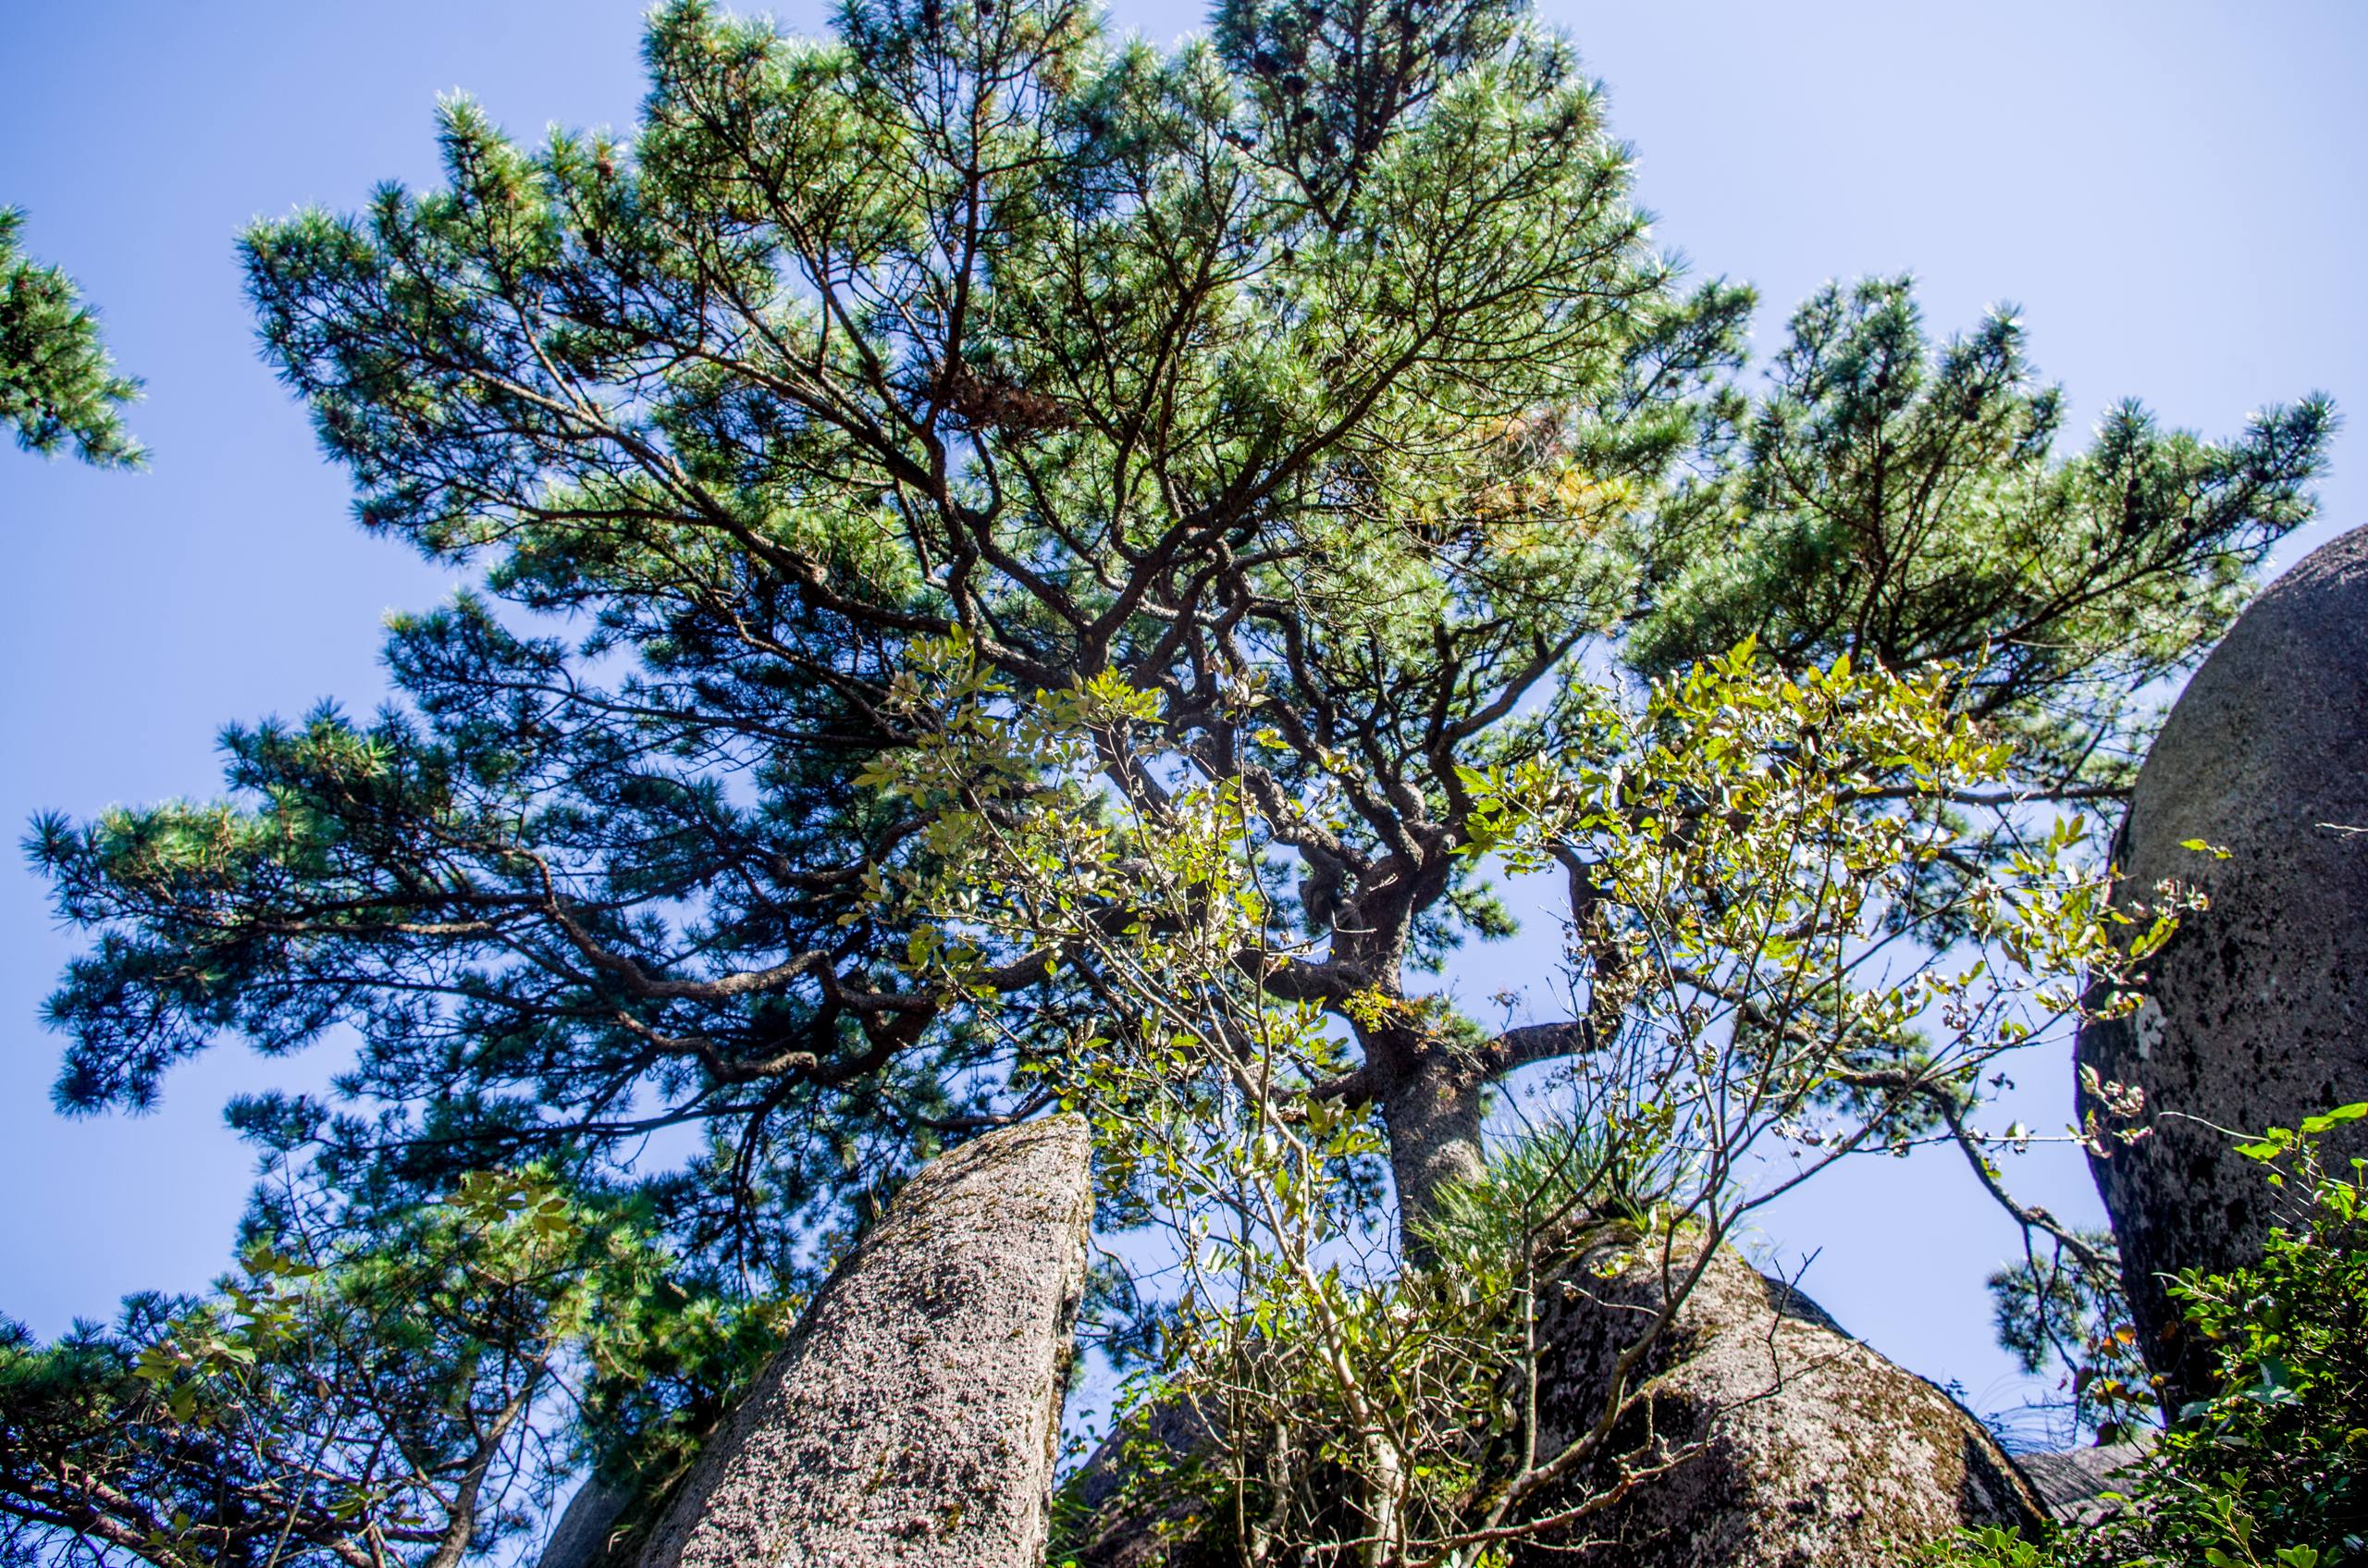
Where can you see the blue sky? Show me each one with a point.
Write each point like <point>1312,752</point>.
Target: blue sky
<point>2174,194</point>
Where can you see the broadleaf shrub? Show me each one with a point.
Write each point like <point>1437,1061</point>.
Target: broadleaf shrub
<point>2272,1471</point>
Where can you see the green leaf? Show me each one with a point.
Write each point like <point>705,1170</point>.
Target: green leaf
<point>2328,1121</point>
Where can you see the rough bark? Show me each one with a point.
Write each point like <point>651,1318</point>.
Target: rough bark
<point>1433,1115</point>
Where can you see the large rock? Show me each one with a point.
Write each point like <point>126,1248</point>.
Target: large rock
<point>2080,1486</point>
<point>2256,1011</point>
<point>586,1528</point>
<point>1795,1446</point>
<point>1156,1526</point>
<point>913,1417</point>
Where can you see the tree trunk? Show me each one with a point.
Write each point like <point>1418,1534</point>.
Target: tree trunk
<point>1432,1110</point>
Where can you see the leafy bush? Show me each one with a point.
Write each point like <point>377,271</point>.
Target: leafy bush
<point>2273,1470</point>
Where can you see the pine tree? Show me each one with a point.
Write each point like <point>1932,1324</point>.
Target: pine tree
<point>57,381</point>
<point>1317,378</point>
<point>407,1388</point>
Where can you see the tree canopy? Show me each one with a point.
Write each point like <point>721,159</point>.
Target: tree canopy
<point>414,1386</point>
<point>58,384</point>
<point>931,483</point>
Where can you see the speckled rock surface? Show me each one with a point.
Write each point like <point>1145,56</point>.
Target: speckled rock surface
<point>2073,1485</point>
<point>2257,1009</point>
<point>912,1417</point>
<point>1798,1447</point>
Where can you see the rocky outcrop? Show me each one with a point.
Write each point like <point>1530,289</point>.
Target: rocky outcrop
<point>1794,1446</point>
<point>913,1417</point>
<point>2256,1011</point>
<point>588,1525</point>
<point>2073,1485</point>
<point>1791,1444</point>
<point>1162,1527</point>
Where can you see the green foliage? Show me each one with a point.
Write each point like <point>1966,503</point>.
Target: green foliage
<point>1315,382</point>
<point>1749,839</point>
<point>1020,567</point>
<point>1908,506</point>
<point>2274,1469</point>
<point>2062,1307</point>
<point>1769,841</point>
<point>56,382</point>
<point>356,1396</point>
<point>1542,1181</point>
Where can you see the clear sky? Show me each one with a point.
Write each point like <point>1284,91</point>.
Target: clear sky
<point>2177,194</point>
